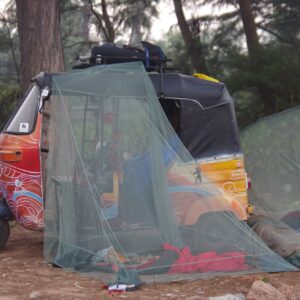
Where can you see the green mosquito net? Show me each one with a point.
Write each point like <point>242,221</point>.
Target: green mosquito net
<point>122,201</point>
<point>271,148</point>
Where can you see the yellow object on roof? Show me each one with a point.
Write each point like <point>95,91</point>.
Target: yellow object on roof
<point>205,77</point>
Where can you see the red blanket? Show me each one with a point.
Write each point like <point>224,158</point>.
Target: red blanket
<point>207,261</point>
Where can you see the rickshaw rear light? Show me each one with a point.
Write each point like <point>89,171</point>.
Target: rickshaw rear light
<point>248,182</point>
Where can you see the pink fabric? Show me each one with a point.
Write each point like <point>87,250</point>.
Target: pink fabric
<point>207,261</point>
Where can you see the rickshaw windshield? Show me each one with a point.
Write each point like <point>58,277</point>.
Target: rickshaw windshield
<point>23,121</point>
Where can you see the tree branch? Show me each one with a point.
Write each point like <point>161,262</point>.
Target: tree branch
<point>279,37</point>
<point>79,43</point>
<point>109,26</point>
<point>97,15</point>
<point>194,49</point>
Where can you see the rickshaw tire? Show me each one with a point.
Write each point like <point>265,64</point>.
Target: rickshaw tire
<point>4,232</point>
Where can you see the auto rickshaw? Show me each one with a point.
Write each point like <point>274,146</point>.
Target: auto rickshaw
<point>200,110</point>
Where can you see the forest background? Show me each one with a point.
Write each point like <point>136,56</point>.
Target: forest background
<point>252,46</point>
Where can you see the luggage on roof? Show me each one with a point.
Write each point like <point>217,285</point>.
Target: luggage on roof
<point>151,55</point>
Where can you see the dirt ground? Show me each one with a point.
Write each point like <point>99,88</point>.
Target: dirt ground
<point>25,275</point>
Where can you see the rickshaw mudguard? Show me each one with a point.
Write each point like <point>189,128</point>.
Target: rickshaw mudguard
<point>20,176</point>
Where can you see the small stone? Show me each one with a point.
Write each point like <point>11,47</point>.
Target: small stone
<point>228,297</point>
<point>34,295</point>
<point>194,298</point>
<point>263,290</point>
<point>286,290</point>
<point>295,293</point>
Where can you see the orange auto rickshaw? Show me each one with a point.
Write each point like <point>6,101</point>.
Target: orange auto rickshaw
<point>199,108</point>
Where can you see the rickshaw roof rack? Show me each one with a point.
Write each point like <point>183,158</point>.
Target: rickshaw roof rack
<point>150,55</point>
<point>83,62</point>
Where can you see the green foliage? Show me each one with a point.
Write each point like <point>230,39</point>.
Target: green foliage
<point>9,46</point>
<point>174,48</point>
<point>270,80</point>
<point>248,106</point>
<point>113,19</point>
<point>74,26</point>
<point>274,75</point>
<point>280,18</point>
<point>80,28</point>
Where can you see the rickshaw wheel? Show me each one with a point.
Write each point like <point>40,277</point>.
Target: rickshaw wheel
<point>4,233</point>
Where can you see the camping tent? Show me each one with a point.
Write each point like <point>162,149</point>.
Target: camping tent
<point>271,148</point>
<point>119,180</point>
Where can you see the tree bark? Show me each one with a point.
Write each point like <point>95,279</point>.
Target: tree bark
<point>250,29</point>
<point>194,50</point>
<point>137,23</point>
<point>108,24</point>
<point>86,15</point>
<point>270,102</point>
<point>40,39</point>
<point>249,26</point>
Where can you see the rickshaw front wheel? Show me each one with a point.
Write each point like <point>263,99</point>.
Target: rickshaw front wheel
<point>4,233</point>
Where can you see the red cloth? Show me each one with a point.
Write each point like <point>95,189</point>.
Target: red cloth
<point>207,261</point>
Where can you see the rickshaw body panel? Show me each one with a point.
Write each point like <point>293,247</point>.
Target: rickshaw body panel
<point>20,176</point>
<point>222,186</point>
<point>230,176</point>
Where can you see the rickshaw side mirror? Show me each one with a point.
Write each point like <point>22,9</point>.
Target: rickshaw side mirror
<point>45,96</point>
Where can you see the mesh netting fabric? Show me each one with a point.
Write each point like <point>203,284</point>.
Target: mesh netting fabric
<point>271,149</point>
<point>121,185</point>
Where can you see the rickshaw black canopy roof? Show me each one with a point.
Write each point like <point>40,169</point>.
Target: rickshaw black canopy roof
<point>179,86</point>
<point>207,122</point>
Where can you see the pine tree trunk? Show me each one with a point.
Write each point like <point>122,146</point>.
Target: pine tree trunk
<point>249,26</point>
<point>86,16</point>
<point>40,39</point>
<point>250,29</point>
<point>136,23</point>
<point>194,50</point>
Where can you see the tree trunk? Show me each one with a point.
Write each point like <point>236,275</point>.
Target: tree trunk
<point>137,23</point>
<point>108,24</point>
<point>249,26</point>
<point>86,23</point>
<point>194,50</point>
<point>250,29</point>
<point>40,39</point>
<point>270,104</point>
<point>104,24</point>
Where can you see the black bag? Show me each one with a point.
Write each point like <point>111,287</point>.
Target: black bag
<point>151,55</point>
